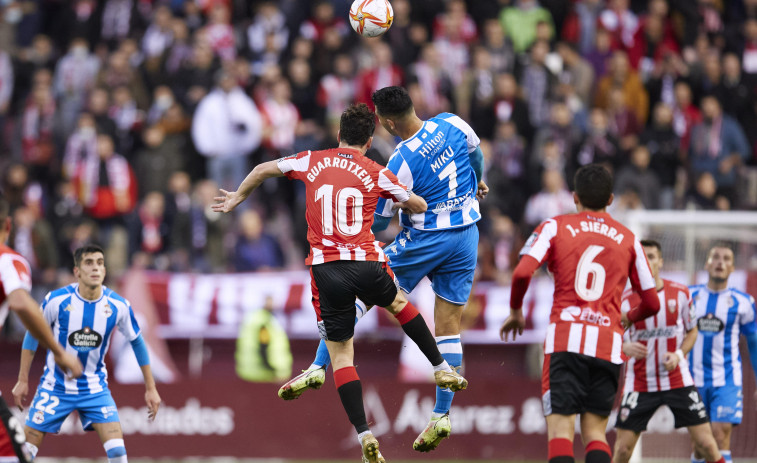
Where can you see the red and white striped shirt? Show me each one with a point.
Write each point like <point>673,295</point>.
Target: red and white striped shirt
<point>660,334</point>
<point>342,188</point>
<point>15,273</point>
<point>591,257</point>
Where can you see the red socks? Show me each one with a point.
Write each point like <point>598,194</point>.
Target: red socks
<point>408,313</point>
<point>560,451</point>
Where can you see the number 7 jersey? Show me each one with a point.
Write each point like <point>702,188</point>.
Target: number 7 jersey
<point>591,256</point>
<point>342,187</point>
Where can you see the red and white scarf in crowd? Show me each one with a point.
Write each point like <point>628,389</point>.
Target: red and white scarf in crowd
<point>89,177</point>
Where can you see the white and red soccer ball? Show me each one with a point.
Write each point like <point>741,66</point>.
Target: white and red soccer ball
<point>371,18</point>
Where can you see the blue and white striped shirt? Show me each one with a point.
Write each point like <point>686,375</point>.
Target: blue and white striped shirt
<point>434,164</point>
<point>85,329</point>
<point>721,317</point>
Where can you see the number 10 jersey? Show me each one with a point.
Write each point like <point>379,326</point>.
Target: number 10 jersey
<point>342,187</point>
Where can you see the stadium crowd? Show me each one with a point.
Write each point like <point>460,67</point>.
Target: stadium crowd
<point>121,119</point>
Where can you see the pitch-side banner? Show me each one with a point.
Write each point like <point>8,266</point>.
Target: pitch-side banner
<point>196,305</point>
<point>498,418</point>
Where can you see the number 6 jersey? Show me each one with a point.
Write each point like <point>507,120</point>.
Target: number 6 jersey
<point>591,256</point>
<point>342,187</point>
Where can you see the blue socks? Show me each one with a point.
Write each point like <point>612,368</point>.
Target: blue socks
<point>452,351</point>
<point>115,450</point>
<point>726,456</point>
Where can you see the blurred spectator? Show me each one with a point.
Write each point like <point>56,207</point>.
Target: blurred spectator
<point>226,129</point>
<point>475,96</point>
<point>33,237</point>
<point>663,145</point>
<point>37,149</point>
<point>685,114</point>
<point>268,27</point>
<point>6,91</point>
<point>196,76</point>
<point>208,229</point>
<point>120,73</point>
<point>508,105</point>
<point>600,53</point>
<point>148,230</point>
<point>116,20</point>
<point>15,182</point>
<point>736,96</point>
<point>623,124</point>
<point>382,73</point>
<point>81,145</point>
<point>704,195</point>
<point>255,250</point>
<point>179,51</point>
<point>433,81</point>
<point>280,119</point>
<point>661,82</point>
<point>576,72</point>
<point>638,177</point>
<point>496,249</point>
<point>337,89</point>
<point>718,146</point>
<point>537,82</point>
<point>323,19</point>
<point>75,76</point>
<point>749,49</point>
<point>157,161</point>
<point>219,34</point>
<point>621,75</point>
<point>158,36</point>
<point>563,134</point>
<point>263,353</point>
<point>506,171</point>
<point>162,100</point>
<point>105,184</point>
<point>178,203</point>
<point>620,22</point>
<point>553,199</point>
<point>651,44</point>
<point>405,36</point>
<point>454,30</point>
<point>580,27</point>
<point>499,46</point>
<point>304,89</point>
<point>127,117</point>
<point>519,22</point>
<point>598,145</point>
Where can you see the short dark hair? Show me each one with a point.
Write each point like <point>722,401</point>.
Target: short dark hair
<point>722,244</point>
<point>357,125</point>
<point>392,101</point>
<point>593,185</point>
<point>86,249</point>
<point>652,244</point>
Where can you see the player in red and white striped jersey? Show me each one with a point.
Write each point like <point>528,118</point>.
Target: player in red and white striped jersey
<point>15,284</point>
<point>342,189</point>
<point>657,373</point>
<point>591,257</point>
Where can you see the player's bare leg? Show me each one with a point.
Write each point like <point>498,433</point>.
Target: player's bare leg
<point>594,436</point>
<point>704,443</point>
<point>624,444</point>
<point>34,440</point>
<point>721,432</point>
<point>112,438</point>
<point>351,393</point>
<point>447,318</point>
<point>560,432</point>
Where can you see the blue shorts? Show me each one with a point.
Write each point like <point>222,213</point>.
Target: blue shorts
<point>446,257</point>
<point>49,409</point>
<point>724,404</point>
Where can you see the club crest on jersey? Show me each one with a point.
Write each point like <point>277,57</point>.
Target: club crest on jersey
<point>624,412</point>
<point>85,339</point>
<point>107,311</point>
<point>672,304</point>
<point>710,324</point>
<point>39,417</point>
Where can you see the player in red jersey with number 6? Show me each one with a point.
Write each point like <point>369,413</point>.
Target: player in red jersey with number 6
<point>591,257</point>
<point>343,187</point>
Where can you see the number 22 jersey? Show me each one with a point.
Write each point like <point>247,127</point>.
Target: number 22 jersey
<point>591,257</point>
<point>342,187</point>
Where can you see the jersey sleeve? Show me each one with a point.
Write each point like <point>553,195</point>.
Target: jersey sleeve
<point>640,273</point>
<point>295,167</point>
<point>470,135</point>
<point>539,243</point>
<point>391,187</point>
<point>399,167</point>
<point>15,273</point>
<point>127,322</point>
<point>748,317</point>
<point>49,310</point>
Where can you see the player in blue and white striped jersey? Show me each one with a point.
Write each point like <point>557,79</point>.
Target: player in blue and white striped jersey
<point>721,314</point>
<point>83,316</point>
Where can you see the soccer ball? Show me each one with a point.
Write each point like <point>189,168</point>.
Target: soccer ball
<point>371,18</point>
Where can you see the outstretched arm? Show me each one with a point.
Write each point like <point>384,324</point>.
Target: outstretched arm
<point>21,389</point>
<point>152,398</point>
<point>231,199</point>
<point>28,311</point>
